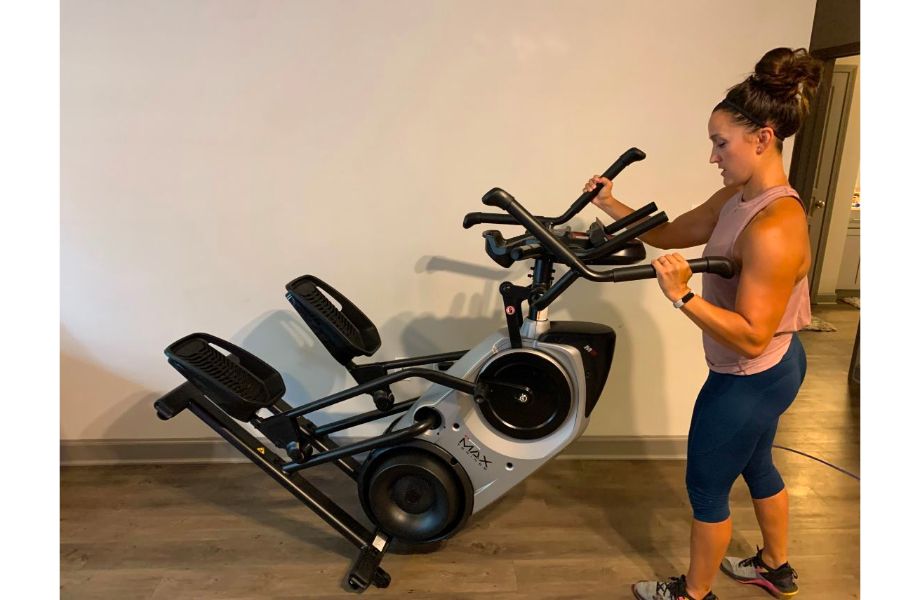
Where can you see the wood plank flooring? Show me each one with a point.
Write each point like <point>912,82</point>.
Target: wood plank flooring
<point>576,529</point>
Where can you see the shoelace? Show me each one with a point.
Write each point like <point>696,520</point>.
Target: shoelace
<point>753,561</point>
<point>676,586</point>
<point>757,561</point>
<point>749,562</point>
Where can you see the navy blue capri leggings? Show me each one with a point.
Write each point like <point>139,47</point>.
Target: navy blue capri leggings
<point>731,433</point>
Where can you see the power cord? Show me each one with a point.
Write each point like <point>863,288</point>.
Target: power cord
<point>833,466</point>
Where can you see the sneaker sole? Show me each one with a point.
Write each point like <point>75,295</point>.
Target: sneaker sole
<point>762,583</point>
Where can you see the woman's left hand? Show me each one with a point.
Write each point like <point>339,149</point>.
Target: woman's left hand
<point>673,274</point>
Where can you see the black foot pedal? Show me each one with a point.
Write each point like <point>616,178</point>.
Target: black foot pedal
<point>237,381</point>
<point>346,332</point>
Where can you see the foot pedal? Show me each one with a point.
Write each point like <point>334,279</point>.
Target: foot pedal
<point>346,332</point>
<point>237,381</point>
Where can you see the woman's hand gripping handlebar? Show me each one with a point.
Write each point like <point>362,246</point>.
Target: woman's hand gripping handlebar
<point>627,158</point>
<point>498,197</point>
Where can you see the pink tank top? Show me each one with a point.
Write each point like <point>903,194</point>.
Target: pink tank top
<point>721,292</point>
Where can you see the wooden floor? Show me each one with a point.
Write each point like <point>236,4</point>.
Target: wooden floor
<point>577,529</point>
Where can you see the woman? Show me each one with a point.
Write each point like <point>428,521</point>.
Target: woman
<point>749,322</point>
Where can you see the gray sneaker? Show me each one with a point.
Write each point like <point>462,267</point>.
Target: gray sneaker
<point>780,582</point>
<point>675,588</point>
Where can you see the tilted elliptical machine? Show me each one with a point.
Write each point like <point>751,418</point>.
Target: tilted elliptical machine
<point>491,416</point>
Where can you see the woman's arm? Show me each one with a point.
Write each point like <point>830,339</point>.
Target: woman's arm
<point>690,229</point>
<point>773,251</point>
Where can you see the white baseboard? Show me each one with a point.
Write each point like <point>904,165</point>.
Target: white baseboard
<point>215,450</point>
<point>826,299</point>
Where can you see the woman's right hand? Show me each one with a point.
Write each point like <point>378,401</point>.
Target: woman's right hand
<point>604,197</point>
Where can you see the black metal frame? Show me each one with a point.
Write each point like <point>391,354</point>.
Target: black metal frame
<point>376,384</point>
<point>287,425</point>
<point>372,545</point>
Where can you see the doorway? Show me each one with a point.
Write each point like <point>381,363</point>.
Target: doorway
<point>833,201</point>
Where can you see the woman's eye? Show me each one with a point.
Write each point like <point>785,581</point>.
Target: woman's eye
<point>720,145</point>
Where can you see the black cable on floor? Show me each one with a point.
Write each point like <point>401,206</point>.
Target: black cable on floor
<point>844,471</point>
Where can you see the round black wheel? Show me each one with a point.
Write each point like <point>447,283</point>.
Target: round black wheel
<point>526,417</point>
<point>414,496</point>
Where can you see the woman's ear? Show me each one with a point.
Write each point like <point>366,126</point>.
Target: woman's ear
<point>764,138</point>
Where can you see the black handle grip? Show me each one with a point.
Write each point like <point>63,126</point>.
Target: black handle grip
<point>717,265</point>
<point>620,240</point>
<point>502,199</point>
<point>631,218</point>
<point>478,218</point>
<point>627,158</point>
<point>527,251</point>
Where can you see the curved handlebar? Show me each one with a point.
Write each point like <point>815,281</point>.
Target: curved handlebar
<point>502,199</point>
<point>627,158</point>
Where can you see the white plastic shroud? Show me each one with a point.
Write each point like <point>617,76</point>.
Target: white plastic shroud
<point>494,461</point>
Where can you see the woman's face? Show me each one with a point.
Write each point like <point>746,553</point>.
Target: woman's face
<point>734,148</point>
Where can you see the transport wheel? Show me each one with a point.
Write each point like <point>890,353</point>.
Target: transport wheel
<point>413,495</point>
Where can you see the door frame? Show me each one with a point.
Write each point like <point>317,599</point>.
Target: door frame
<point>807,148</point>
<point>822,231</point>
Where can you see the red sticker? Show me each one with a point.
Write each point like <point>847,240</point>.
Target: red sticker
<point>509,310</point>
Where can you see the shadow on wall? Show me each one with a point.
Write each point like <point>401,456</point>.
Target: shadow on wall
<point>84,381</point>
<point>284,341</point>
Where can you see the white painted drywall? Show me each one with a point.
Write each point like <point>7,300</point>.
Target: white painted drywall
<point>214,150</point>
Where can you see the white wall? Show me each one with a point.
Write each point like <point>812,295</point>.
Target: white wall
<point>214,150</point>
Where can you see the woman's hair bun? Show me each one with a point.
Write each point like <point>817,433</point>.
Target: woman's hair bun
<point>788,74</point>
<point>778,93</point>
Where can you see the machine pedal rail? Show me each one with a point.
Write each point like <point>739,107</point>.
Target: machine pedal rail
<point>366,569</point>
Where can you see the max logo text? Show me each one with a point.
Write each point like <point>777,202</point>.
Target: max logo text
<point>473,450</point>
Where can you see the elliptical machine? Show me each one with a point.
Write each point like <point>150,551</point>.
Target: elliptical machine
<point>491,416</point>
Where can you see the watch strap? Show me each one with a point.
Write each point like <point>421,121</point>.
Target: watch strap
<point>686,298</point>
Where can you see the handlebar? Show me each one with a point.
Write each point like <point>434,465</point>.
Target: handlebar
<point>479,218</point>
<point>618,241</point>
<point>500,198</point>
<point>631,218</point>
<point>717,265</point>
<point>627,158</point>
